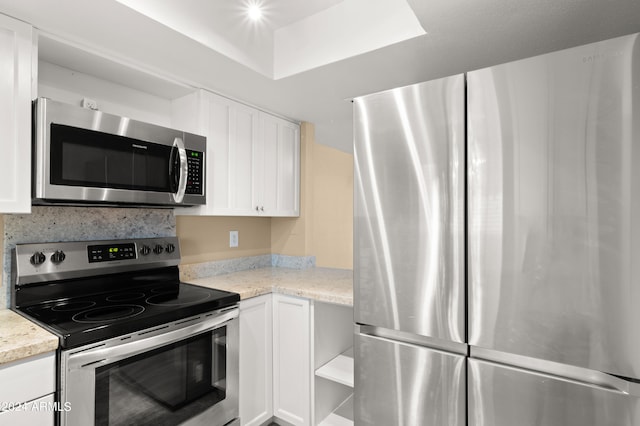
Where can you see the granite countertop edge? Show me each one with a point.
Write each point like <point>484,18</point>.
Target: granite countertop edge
<point>319,284</point>
<point>21,338</point>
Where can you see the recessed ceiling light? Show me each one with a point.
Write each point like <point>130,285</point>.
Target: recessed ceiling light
<point>254,11</point>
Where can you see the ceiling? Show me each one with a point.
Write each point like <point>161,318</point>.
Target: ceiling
<point>291,36</point>
<point>330,50</point>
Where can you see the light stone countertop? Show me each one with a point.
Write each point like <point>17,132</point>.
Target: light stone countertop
<point>21,338</point>
<point>321,284</point>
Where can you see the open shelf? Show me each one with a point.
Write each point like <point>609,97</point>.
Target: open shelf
<point>342,416</point>
<point>339,369</point>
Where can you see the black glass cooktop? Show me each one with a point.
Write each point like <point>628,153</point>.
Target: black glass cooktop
<point>111,306</point>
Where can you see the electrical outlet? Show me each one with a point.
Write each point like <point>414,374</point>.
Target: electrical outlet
<point>233,238</point>
<point>89,103</point>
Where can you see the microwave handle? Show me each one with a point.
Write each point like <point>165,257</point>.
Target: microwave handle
<point>182,171</point>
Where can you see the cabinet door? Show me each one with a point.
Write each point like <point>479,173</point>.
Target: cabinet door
<point>256,346</point>
<point>277,177</point>
<point>15,116</point>
<point>233,131</point>
<point>253,158</point>
<point>31,380</point>
<point>291,359</point>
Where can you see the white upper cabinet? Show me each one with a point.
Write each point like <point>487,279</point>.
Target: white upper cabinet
<point>253,158</point>
<point>16,49</point>
<point>277,165</point>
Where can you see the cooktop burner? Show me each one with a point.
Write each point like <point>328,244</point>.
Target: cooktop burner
<point>100,294</point>
<point>107,314</point>
<point>104,315</point>
<point>73,306</point>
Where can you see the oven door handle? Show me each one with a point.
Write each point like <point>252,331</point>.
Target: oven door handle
<point>99,356</point>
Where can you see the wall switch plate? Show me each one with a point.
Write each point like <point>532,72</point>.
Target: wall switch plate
<point>233,238</point>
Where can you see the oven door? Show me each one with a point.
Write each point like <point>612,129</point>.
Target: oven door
<point>182,373</point>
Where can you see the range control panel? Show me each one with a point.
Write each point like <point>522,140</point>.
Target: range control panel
<point>59,260</point>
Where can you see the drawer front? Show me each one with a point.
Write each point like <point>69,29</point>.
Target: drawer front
<point>28,379</point>
<point>36,413</point>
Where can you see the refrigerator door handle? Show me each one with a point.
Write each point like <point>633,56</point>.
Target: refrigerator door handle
<point>413,339</point>
<point>585,376</point>
<point>623,384</point>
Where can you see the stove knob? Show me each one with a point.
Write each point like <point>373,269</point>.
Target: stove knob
<point>58,256</point>
<point>170,248</point>
<point>145,250</point>
<point>38,258</point>
<point>158,249</point>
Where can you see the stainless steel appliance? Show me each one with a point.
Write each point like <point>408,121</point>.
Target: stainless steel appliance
<point>409,255</point>
<point>554,194</point>
<point>83,156</point>
<point>137,346</point>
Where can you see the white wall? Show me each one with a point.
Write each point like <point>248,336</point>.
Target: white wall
<point>69,86</point>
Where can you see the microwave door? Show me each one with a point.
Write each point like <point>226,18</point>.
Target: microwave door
<point>178,170</point>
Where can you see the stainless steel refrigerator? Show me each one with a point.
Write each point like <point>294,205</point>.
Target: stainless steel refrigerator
<point>548,252</point>
<point>409,255</point>
<point>554,238</point>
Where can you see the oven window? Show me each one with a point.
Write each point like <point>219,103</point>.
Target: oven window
<point>165,386</point>
<point>81,157</point>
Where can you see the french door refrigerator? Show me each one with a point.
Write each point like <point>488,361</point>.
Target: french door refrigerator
<point>554,239</point>
<point>521,307</point>
<point>409,255</point>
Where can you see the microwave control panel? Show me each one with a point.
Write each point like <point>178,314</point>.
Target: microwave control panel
<point>194,177</point>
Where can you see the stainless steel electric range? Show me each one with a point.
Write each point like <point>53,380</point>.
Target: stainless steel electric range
<point>137,346</point>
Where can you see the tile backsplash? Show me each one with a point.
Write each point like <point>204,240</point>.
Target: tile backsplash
<point>51,224</point>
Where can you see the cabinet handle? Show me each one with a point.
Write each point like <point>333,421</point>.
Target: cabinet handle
<point>257,208</point>
<point>262,208</point>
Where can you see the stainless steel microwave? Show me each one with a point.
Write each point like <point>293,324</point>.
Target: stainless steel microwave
<point>87,157</point>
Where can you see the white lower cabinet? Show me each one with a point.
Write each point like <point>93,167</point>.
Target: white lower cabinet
<point>292,359</point>
<point>256,349</point>
<point>34,413</point>
<point>296,361</point>
<point>27,391</point>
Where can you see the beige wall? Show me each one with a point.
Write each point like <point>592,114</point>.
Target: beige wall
<point>324,228</point>
<point>332,207</point>
<point>204,238</point>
